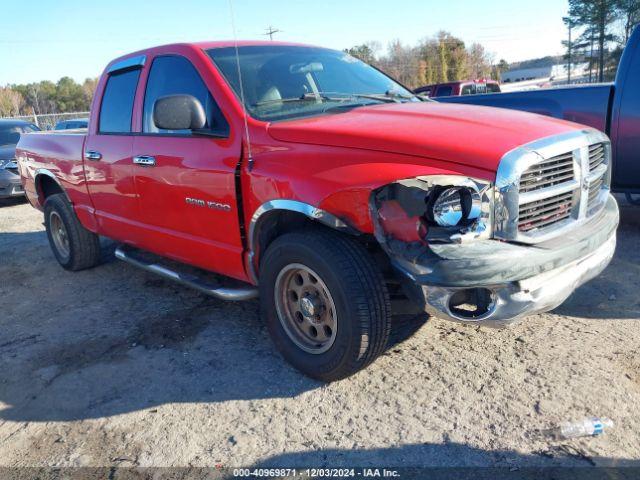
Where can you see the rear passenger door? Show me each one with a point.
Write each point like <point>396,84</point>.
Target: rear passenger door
<point>107,156</point>
<point>186,183</point>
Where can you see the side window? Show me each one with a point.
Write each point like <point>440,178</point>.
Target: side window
<point>117,102</point>
<point>444,91</point>
<point>174,75</point>
<point>467,90</point>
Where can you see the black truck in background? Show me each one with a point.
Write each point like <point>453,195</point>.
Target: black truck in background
<point>612,108</point>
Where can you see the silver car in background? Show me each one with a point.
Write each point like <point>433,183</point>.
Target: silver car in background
<point>10,131</point>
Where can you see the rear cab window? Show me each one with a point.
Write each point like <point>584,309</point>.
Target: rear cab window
<point>468,90</point>
<point>445,91</point>
<point>116,110</point>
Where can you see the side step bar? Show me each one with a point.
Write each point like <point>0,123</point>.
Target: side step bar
<point>231,294</point>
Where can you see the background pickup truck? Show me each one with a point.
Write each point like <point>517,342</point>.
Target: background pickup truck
<point>310,178</point>
<point>470,87</point>
<point>611,108</point>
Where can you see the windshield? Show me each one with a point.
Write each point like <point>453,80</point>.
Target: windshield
<point>10,134</point>
<point>282,82</point>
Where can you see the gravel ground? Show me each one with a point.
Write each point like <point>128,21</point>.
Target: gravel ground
<point>115,367</point>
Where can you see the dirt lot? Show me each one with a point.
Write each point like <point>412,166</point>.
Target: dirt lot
<point>113,366</point>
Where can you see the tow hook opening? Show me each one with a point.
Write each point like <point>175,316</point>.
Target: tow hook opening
<point>472,303</point>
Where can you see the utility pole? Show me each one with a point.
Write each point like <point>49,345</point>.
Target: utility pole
<point>569,22</point>
<point>271,31</point>
<point>591,59</point>
<point>570,47</point>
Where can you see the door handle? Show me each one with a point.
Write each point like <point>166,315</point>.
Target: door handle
<point>144,160</point>
<point>92,155</point>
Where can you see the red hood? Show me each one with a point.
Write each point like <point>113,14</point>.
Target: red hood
<point>468,135</point>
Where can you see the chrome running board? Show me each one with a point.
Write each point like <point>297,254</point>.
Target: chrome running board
<point>230,294</point>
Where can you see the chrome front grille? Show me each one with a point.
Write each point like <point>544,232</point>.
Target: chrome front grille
<point>548,173</point>
<point>544,187</point>
<point>542,213</point>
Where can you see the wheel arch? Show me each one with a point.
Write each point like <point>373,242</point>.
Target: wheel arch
<point>275,217</point>
<point>47,184</point>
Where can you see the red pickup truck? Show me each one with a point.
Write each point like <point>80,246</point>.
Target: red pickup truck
<point>316,182</point>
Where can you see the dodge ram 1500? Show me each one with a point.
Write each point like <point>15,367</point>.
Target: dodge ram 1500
<point>319,184</point>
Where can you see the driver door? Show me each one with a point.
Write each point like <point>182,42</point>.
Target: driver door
<point>185,182</point>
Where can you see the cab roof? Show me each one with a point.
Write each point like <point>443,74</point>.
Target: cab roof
<point>207,45</point>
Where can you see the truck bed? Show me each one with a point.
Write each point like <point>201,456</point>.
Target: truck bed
<point>58,153</point>
<point>588,104</point>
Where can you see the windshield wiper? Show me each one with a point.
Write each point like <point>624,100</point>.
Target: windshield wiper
<point>307,97</point>
<point>392,94</point>
<point>388,97</point>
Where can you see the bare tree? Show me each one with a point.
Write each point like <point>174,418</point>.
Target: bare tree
<point>11,102</point>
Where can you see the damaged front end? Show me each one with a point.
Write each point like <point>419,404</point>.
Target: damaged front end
<point>438,232</point>
<point>413,216</point>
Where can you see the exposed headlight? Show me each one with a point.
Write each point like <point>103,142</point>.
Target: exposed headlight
<point>439,208</point>
<point>448,209</point>
<point>455,206</point>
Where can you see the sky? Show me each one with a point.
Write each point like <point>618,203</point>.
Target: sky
<point>48,39</point>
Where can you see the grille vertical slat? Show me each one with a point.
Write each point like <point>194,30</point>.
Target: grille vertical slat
<point>597,156</point>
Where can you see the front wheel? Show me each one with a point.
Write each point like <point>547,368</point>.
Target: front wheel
<point>325,303</point>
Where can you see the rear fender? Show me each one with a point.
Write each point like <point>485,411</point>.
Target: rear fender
<point>44,177</point>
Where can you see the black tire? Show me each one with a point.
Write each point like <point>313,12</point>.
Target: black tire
<point>83,246</point>
<point>358,291</point>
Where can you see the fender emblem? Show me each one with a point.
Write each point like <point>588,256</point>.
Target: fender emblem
<point>210,204</point>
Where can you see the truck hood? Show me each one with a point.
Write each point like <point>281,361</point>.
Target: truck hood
<point>463,134</point>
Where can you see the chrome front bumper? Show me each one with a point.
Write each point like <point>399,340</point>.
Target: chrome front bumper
<point>503,271</point>
<point>533,295</point>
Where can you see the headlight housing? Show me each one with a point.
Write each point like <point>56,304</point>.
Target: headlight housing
<point>434,209</point>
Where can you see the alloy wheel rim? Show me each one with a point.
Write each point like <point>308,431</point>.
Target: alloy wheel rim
<point>305,308</point>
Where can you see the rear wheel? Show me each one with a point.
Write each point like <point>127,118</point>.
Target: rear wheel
<point>325,303</point>
<point>75,247</point>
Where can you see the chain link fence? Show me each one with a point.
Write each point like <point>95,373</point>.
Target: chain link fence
<point>49,120</point>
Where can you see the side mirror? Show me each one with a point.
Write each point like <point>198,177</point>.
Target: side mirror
<point>179,112</point>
